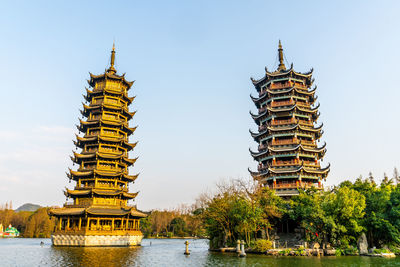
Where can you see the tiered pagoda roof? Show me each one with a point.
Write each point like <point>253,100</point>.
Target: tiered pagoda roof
<point>288,155</point>
<point>102,175</point>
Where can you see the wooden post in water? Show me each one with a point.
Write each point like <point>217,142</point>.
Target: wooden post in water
<point>187,248</point>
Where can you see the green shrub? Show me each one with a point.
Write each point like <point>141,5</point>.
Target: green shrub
<point>395,250</point>
<point>285,252</point>
<point>350,251</point>
<point>339,252</point>
<point>381,250</point>
<point>262,245</point>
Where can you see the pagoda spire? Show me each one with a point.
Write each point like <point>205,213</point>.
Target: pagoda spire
<point>111,69</point>
<point>280,53</point>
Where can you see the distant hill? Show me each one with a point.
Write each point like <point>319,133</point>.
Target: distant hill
<point>28,207</point>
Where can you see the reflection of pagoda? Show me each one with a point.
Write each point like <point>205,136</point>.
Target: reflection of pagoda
<point>99,214</point>
<point>288,156</point>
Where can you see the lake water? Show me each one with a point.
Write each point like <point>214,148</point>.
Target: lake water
<point>157,252</point>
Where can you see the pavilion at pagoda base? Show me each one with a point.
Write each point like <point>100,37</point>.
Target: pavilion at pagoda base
<point>106,240</point>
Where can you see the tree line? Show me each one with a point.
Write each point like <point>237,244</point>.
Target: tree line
<point>337,216</point>
<point>29,224</point>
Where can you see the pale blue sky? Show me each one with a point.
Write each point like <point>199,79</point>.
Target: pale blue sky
<point>192,61</point>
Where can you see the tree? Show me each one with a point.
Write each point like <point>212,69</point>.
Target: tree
<point>178,226</point>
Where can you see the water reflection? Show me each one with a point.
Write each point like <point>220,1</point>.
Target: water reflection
<point>93,256</point>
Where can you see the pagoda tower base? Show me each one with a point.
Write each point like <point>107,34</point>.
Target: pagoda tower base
<point>77,240</point>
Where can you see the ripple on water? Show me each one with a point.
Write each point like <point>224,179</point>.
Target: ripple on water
<point>157,252</point>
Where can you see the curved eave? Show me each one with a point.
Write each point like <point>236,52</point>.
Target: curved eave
<point>138,214</point>
<point>309,129</point>
<point>311,110</point>
<point>286,149</point>
<point>257,175</point>
<point>271,75</point>
<point>257,99</point>
<point>131,177</point>
<point>101,106</point>
<point>255,155</point>
<point>66,211</point>
<point>289,149</point>
<point>91,123</point>
<point>90,93</point>
<point>255,135</point>
<point>130,195</point>
<point>74,193</point>
<point>98,154</point>
<point>324,171</point>
<point>276,110</point>
<point>80,173</point>
<point>306,92</point>
<point>316,150</point>
<point>257,117</point>
<point>278,92</point>
<point>278,171</point>
<point>285,128</point>
<point>82,140</point>
<point>105,75</point>
<point>108,211</point>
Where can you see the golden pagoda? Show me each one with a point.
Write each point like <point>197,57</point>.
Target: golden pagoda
<point>288,155</point>
<point>100,214</point>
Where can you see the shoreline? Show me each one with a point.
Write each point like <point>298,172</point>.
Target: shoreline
<point>292,252</point>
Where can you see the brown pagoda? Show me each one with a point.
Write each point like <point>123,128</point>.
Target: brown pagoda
<point>288,155</point>
<point>100,214</point>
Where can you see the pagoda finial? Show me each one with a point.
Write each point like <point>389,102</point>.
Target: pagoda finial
<point>280,53</point>
<point>111,69</point>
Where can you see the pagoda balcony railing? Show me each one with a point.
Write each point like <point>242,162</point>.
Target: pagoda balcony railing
<point>108,168</point>
<point>306,123</point>
<point>280,85</point>
<point>97,101</point>
<point>283,122</point>
<point>306,154</point>
<point>311,164</point>
<point>113,102</point>
<point>72,205</point>
<point>302,104</point>
<point>101,168</point>
<point>111,134</point>
<point>278,163</point>
<point>300,86</point>
<point>306,142</point>
<point>299,185</point>
<point>100,230</point>
<point>106,150</point>
<point>275,104</point>
<point>293,141</point>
